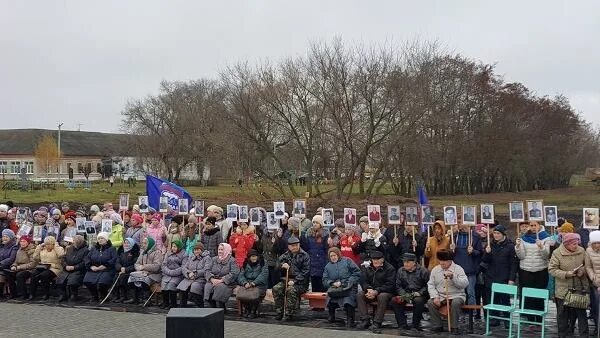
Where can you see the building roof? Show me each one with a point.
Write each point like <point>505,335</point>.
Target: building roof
<point>72,143</point>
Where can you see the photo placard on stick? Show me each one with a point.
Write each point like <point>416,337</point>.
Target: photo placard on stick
<point>349,217</point>
<point>412,215</point>
<point>374,213</point>
<point>393,213</point>
<point>199,208</point>
<point>90,228</point>
<point>232,212</point>
<point>551,215</point>
<point>163,204</point>
<point>107,225</point>
<point>590,218</point>
<point>517,212</point>
<point>279,209</point>
<point>143,204</point>
<point>534,210</point>
<point>427,216</point>
<point>255,216</point>
<point>299,208</point>
<point>487,213</point>
<point>182,205</point>
<point>80,223</point>
<point>450,215</point>
<point>24,229</point>
<point>272,221</point>
<point>328,218</point>
<point>37,233</point>
<point>469,213</point>
<point>243,213</point>
<point>123,202</point>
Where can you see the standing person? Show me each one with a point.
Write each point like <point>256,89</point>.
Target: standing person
<point>127,255</point>
<point>270,253</point>
<point>8,253</point>
<point>147,269</point>
<point>533,250</point>
<point>447,281</point>
<point>117,234</point>
<point>439,241</point>
<point>393,236</point>
<point>377,286</point>
<point>223,224</point>
<point>190,235</point>
<point>100,265</point>
<point>592,266</point>
<point>135,229</point>
<point>22,268</point>
<point>172,274</point>
<point>254,274</point>
<point>372,241</point>
<point>73,269</point>
<point>566,265</point>
<point>242,242</point>
<point>294,264</point>
<point>501,262</point>
<point>158,232</point>
<point>211,236</point>
<point>411,287</point>
<point>468,256</point>
<point>221,278</point>
<point>349,244</point>
<point>316,247</point>
<point>50,256</point>
<point>415,246</point>
<point>342,273</point>
<point>194,271</point>
<point>174,230</point>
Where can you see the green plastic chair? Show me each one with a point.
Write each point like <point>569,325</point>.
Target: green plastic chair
<point>532,293</point>
<point>510,290</point>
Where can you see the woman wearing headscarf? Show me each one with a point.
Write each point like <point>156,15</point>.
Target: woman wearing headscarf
<point>533,251</point>
<point>136,229</point>
<point>50,256</point>
<point>194,271</point>
<point>127,255</point>
<point>567,267</point>
<point>341,272</point>
<point>254,273</point>
<point>158,232</point>
<point>221,278</point>
<point>147,269</point>
<point>8,253</point>
<point>69,232</point>
<point>100,264</point>
<point>73,269</point>
<point>172,274</point>
<point>174,230</point>
<point>22,268</point>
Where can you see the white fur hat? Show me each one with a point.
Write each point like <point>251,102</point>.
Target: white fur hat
<point>595,236</point>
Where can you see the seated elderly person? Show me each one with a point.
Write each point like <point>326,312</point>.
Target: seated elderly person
<point>447,284</point>
<point>377,283</point>
<point>411,287</point>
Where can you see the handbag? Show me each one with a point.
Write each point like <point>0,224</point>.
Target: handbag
<point>42,267</point>
<point>247,294</point>
<point>339,292</point>
<point>577,298</point>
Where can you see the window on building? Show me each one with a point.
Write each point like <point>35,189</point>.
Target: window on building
<point>3,167</point>
<point>28,167</point>
<point>15,167</point>
<point>99,167</point>
<point>79,167</point>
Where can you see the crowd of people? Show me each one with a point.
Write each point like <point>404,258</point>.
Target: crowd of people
<point>203,261</point>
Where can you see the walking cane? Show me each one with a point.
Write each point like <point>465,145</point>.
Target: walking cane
<point>152,294</point>
<point>448,303</point>
<point>287,278</point>
<point>111,288</point>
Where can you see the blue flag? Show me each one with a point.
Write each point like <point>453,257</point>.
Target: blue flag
<point>422,197</point>
<point>156,187</point>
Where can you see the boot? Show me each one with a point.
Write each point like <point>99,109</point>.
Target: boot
<point>364,323</point>
<point>34,287</point>
<point>165,300</point>
<point>94,293</point>
<point>136,297</point>
<point>221,305</point>
<point>2,296</point>
<point>350,317</point>
<point>46,291</point>
<point>124,296</point>
<point>198,300</point>
<point>63,294</point>
<point>184,299</point>
<point>376,327</point>
<point>173,296</point>
<point>117,297</point>
<point>331,317</point>
<point>253,310</point>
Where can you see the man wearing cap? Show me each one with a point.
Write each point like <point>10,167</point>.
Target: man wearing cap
<point>295,264</point>
<point>377,283</point>
<point>446,273</point>
<point>501,267</point>
<point>411,287</point>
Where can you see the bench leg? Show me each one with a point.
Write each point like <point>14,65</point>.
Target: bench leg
<point>471,321</point>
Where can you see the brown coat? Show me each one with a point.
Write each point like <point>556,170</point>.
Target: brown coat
<point>25,259</point>
<point>150,262</point>
<point>592,265</point>
<point>436,245</point>
<point>563,261</point>
<point>53,257</point>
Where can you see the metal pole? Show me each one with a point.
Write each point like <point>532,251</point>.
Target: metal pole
<point>58,165</point>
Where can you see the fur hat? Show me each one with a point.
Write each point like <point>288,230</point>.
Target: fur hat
<point>444,255</point>
<point>595,236</point>
<point>364,219</point>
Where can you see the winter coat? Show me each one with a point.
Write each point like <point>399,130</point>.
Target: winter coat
<point>299,263</point>
<point>116,235</point>
<point>406,240</point>
<point>151,263</point>
<point>408,282</point>
<point>380,279</point>
<point>269,249</point>
<point>159,234</point>
<point>317,251</point>
<point>210,240</point>
<point>456,285</point>
<point>199,265</point>
<point>53,257</point>
<point>105,255</point>
<point>135,234</point>
<point>241,245</point>
<point>127,259</point>
<point>172,270</point>
<point>173,234</point>
<point>592,266</point>
<point>189,243</point>
<point>436,245</point>
<point>228,271</point>
<point>532,258</point>
<point>346,272</point>
<point>25,258</point>
<point>8,253</point>
<point>469,262</point>
<point>224,226</point>
<point>349,247</point>
<point>73,257</point>
<point>563,261</point>
<point>257,274</point>
<point>394,252</point>
<point>370,243</point>
<point>501,263</point>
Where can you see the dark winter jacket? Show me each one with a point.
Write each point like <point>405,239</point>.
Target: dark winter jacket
<point>501,264</point>
<point>257,274</point>
<point>8,253</point>
<point>381,279</point>
<point>344,271</point>
<point>127,259</point>
<point>105,255</point>
<point>412,281</point>
<point>210,240</point>
<point>469,262</point>
<point>299,266</point>
<point>318,255</point>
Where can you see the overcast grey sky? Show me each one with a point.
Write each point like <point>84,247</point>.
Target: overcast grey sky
<point>79,62</point>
